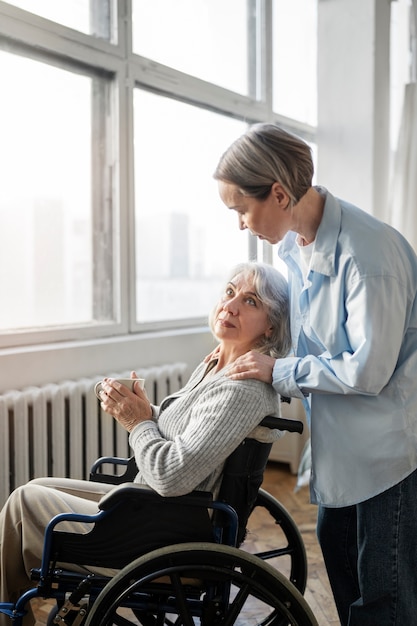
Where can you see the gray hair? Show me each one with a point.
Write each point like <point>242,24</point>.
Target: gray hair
<point>271,288</point>
<point>266,154</point>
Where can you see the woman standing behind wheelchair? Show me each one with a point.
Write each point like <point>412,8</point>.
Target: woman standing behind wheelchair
<point>353,291</point>
<point>181,445</point>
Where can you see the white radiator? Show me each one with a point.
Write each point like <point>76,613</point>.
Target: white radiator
<point>60,429</point>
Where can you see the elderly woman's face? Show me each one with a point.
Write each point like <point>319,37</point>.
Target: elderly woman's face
<point>240,317</point>
<point>267,219</point>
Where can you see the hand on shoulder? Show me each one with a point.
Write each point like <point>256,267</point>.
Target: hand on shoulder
<point>253,364</point>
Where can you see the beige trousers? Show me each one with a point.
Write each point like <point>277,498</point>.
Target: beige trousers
<point>23,520</point>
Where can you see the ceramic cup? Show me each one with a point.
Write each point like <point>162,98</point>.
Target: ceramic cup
<point>125,381</point>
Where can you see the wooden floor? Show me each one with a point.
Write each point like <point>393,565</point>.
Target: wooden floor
<point>281,483</point>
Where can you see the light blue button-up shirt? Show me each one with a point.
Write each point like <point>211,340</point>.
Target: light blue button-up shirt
<point>354,330</point>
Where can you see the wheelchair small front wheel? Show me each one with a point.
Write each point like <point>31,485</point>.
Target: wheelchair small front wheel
<point>202,584</point>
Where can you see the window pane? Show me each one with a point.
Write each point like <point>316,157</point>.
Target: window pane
<point>45,199</point>
<point>204,38</point>
<point>88,16</point>
<point>186,239</point>
<point>295,59</point>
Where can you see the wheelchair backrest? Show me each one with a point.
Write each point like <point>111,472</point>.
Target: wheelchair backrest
<point>244,469</point>
<point>242,477</point>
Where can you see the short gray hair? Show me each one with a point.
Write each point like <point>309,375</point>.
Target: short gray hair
<point>271,288</point>
<point>266,154</point>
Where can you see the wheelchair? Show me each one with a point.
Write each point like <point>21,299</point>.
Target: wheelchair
<point>205,576</point>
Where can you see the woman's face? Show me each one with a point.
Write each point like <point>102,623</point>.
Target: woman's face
<point>267,219</point>
<point>240,317</point>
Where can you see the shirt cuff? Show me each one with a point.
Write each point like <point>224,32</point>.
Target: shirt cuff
<point>283,378</point>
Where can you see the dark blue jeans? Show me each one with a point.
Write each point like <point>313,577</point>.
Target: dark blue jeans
<point>370,553</point>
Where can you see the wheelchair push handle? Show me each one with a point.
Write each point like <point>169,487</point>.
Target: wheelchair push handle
<point>282,423</point>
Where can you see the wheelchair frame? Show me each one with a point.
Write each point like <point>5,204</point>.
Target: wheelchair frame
<point>208,581</point>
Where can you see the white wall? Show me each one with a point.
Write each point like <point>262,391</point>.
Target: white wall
<point>353,101</point>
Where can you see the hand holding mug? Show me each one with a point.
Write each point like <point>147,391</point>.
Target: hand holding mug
<point>125,400</point>
<point>128,382</point>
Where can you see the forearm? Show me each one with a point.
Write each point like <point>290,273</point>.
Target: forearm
<point>298,376</point>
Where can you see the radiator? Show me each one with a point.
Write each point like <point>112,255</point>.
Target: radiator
<point>60,429</point>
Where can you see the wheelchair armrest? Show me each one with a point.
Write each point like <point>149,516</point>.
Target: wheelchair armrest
<point>147,494</point>
<point>114,479</point>
<point>282,423</point>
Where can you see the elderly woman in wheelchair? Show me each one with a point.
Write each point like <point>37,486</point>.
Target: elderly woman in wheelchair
<point>198,465</point>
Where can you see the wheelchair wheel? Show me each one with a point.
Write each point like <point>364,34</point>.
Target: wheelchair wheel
<point>202,584</point>
<point>274,525</point>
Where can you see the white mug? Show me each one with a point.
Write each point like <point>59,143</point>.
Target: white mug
<point>125,381</point>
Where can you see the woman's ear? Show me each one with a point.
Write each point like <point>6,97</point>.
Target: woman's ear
<point>280,195</point>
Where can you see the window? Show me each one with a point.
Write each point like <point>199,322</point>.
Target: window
<point>88,16</point>
<point>47,255</point>
<point>209,39</point>
<point>184,236</point>
<point>111,129</point>
<point>295,59</point>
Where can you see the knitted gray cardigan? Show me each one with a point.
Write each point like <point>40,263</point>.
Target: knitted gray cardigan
<point>186,443</point>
